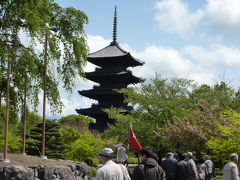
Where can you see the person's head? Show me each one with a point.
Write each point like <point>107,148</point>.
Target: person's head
<point>175,156</point>
<point>201,160</point>
<point>106,154</point>
<point>146,153</point>
<point>181,156</point>
<point>189,155</point>
<point>205,157</point>
<point>169,154</point>
<point>155,156</point>
<point>119,145</point>
<point>234,158</point>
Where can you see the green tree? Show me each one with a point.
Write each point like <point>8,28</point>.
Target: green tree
<point>69,135</point>
<point>155,104</point>
<point>55,146</point>
<point>17,16</point>
<point>227,140</point>
<point>32,119</point>
<point>14,145</point>
<point>85,148</point>
<point>220,94</point>
<point>78,122</point>
<point>169,113</point>
<point>46,23</point>
<point>65,26</point>
<point>195,129</point>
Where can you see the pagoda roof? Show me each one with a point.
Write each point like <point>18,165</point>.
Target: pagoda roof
<point>111,50</point>
<point>95,111</point>
<point>97,93</point>
<point>115,52</point>
<point>122,75</point>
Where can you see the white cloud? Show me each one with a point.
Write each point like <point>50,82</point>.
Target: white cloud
<point>217,55</point>
<point>224,15</point>
<point>170,62</point>
<point>174,17</point>
<point>220,16</point>
<point>96,43</point>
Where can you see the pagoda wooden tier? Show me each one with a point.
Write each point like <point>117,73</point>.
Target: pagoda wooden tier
<point>111,74</point>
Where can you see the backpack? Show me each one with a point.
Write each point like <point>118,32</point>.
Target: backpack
<point>125,172</point>
<point>190,170</point>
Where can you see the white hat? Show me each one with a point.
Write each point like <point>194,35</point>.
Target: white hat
<point>233,156</point>
<point>106,152</point>
<point>189,154</point>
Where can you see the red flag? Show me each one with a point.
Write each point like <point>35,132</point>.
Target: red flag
<point>133,142</point>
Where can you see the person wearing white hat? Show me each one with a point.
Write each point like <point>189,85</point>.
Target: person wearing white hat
<point>121,154</point>
<point>230,170</point>
<point>170,165</point>
<point>193,175</point>
<point>209,164</point>
<point>110,170</point>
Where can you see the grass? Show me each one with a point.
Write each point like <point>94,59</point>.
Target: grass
<point>217,178</point>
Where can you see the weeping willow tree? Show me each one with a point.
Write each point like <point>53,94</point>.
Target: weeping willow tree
<point>26,70</point>
<point>64,53</point>
<point>17,17</point>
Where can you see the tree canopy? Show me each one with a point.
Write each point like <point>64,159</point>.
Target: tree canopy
<point>174,114</point>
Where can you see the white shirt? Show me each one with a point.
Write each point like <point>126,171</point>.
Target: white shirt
<point>230,171</point>
<point>109,171</point>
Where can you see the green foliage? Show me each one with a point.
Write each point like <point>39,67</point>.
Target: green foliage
<point>37,18</point>
<point>227,141</point>
<point>32,120</point>
<point>169,113</point>
<point>69,135</point>
<point>55,146</point>
<point>94,170</point>
<point>85,148</point>
<point>155,104</point>
<point>14,144</point>
<point>47,24</point>
<point>70,27</point>
<point>220,94</point>
<point>79,122</point>
<point>13,118</point>
<point>200,125</point>
<point>133,160</point>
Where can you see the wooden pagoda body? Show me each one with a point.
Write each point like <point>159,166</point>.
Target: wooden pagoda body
<point>111,73</point>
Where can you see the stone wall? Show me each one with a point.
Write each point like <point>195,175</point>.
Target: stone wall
<point>79,171</point>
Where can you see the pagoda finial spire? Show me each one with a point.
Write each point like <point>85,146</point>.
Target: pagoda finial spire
<point>115,25</point>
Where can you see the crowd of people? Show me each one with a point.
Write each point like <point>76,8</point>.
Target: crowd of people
<point>176,166</point>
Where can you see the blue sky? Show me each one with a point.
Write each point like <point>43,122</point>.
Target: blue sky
<point>195,39</point>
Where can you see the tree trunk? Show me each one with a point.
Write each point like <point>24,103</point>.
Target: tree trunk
<point>0,100</point>
<point>7,111</point>
<point>44,95</point>
<point>24,119</point>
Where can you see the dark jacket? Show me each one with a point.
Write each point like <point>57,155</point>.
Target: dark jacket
<point>170,166</point>
<point>148,170</point>
<point>183,171</point>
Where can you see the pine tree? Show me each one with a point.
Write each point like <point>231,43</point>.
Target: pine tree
<point>55,146</point>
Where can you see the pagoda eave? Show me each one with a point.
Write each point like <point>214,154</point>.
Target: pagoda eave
<point>126,60</point>
<point>119,77</point>
<point>91,111</point>
<point>96,95</point>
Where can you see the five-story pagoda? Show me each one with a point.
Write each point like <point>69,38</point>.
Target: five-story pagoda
<point>111,74</point>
